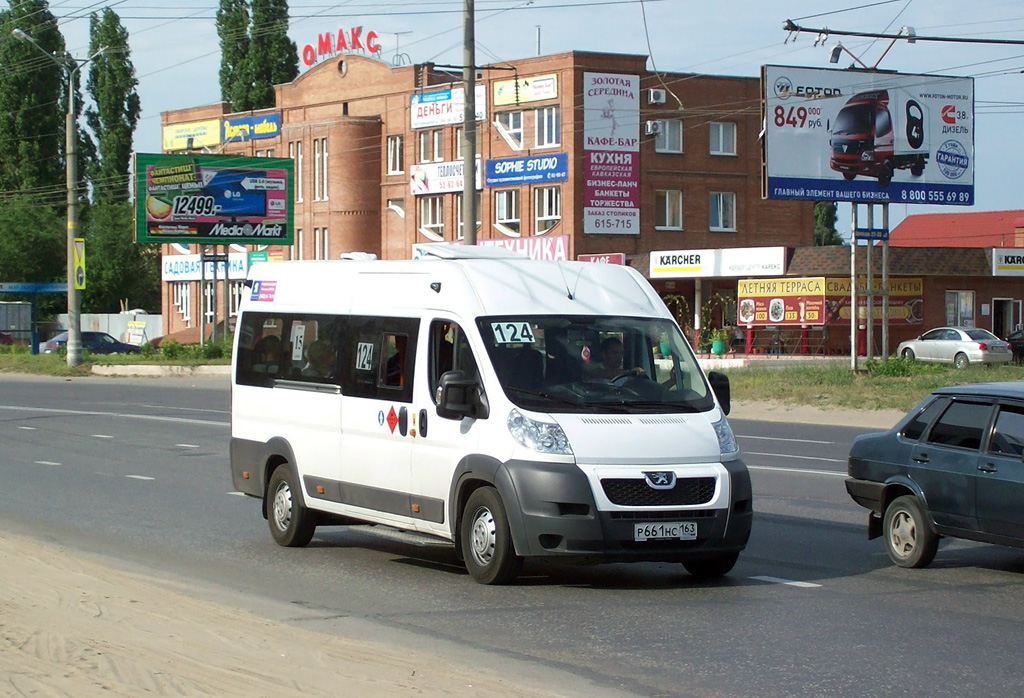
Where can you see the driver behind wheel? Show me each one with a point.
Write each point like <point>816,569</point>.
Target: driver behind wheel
<point>610,363</point>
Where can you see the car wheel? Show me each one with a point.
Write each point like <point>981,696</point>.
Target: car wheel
<point>712,567</point>
<point>291,524</point>
<point>908,354</point>
<point>849,176</point>
<point>487,540</point>
<point>909,538</point>
<point>961,360</point>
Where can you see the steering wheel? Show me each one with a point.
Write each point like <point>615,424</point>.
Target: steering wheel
<point>631,373</point>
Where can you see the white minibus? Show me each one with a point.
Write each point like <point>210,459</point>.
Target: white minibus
<point>516,408</point>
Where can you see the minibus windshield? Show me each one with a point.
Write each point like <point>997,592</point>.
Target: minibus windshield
<point>595,364</point>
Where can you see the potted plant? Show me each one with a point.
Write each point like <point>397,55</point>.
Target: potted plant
<point>719,341</point>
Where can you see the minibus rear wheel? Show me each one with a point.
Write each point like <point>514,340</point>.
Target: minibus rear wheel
<point>487,540</point>
<point>291,523</point>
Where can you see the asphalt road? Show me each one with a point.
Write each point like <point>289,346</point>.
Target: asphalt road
<point>136,471</point>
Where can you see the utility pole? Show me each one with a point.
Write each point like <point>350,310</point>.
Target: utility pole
<point>70,66</point>
<point>469,207</point>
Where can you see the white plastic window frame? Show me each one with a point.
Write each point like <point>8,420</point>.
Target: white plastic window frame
<point>668,209</point>
<point>670,138</point>
<point>725,133</point>
<point>459,232</point>
<point>547,208</point>
<point>395,156</point>
<point>510,126</point>
<point>549,126</point>
<point>506,212</point>
<point>722,207</point>
<point>431,217</point>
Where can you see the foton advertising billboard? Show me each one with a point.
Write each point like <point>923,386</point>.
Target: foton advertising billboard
<point>213,199</point>
<point>853,135</point>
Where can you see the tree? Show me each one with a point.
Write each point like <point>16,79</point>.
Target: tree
<point>273,58</point>
<point>233,30</point>
<point>118,269</point>
<point>32,239</point>
<point>825,224</point>
<point>33,98</point>
<point>112,120</point>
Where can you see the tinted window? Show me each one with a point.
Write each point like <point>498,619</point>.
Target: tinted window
<point>961,425</point>
<point>449,351</point>
<point>274,346</point>
<point>1008,434</point>
<point>378,356</point>
<point>883,124</point>
<point>916,426</point>
<point>981,335</point>
<point>934,334</point>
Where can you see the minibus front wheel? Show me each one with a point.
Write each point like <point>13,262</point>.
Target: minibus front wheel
<point>291,524</point>
<point>487,540</point>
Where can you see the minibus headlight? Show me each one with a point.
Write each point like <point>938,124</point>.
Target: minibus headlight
<point>542,437</point>
<point>726,439</point>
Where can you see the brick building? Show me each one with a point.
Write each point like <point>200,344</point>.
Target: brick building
<point>377,153</point>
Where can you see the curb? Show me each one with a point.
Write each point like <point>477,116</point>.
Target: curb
<point>160,371</point>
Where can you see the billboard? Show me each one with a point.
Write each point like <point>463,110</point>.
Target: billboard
<point>867,137</point>
<point>245,128</point>
<point>213,199</point>
<point>786,301</point>
<point>445,107</point>
<point>195,134</point>
<point>521,90</point>
<point>611,158</point>
<point>532,169</point>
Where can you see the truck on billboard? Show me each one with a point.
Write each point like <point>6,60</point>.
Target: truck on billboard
<point>860,136</point>
<point>213,199</point>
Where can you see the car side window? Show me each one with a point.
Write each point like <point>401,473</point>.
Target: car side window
<point>962,425</point>
<point>915,428</point>
<point>449,350</point>
<point>1008,434</point>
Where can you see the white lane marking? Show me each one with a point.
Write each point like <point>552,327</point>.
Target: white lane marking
<point>186,445</point>
<point>237,494</point>
<point>140,477</point>
<point>778,438</point>
<point>802,471</point>
<point>786,455</point>
<point>787,582</point>
<point>46,462</point>
<point>28,428</point>
<point>94,413</point>
<point>102,436</point>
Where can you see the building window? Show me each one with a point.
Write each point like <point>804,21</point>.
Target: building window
<point>459,232</point>
<point>398,206</point>
<point>722,214</point>
<point>548,202</point>
<point>183,301</point>
<point>297,247</point>
<point>261,153</point>
<point>395,162</point>
<point>506,212</point>
<point>432,217</point>
<point>237,288</point>
<point>270,153</point>
<point>424,141</point>
<point>458,143</point>
<point>723,138</point>
<point>549,126</point>
<point>209,301</point>
<point>320,248</point>
<point>670,138</point>
<point>323,169</point>
<point>510,126</point>
<point>438,137</point>
<point>960,308</point>
<point>316,169</point>
<point>668,209</point>
<point>295,153</point>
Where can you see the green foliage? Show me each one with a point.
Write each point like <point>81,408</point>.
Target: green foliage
<point>175,351</point>
<point>112,85</point>
<point>148,351</point>
<point>898,366</point>
<point>119,270</point>
<point>719,335</point>
<point>272,58</point>
<point>171,349</point>
<point>233,30</point>
<point>825,216</point>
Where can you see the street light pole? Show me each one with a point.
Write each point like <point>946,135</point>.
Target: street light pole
<point>70,66</point>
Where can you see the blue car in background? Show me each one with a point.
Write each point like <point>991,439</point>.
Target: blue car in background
<point>95,342</point>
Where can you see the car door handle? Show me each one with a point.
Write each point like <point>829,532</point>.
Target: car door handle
<point>988,468</point>
<point>921,458</point>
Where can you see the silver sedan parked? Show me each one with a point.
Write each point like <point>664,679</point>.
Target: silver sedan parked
<point>958,346</point>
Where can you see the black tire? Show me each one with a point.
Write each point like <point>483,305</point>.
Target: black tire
<point>909,538</point>
<point>712,567</point>
<point>849,176</point>
<point>292,525</point>
<point>885,176</point>
<point>961,360</point>
<point>487,540</point>
<point>908,354</point>
<point>917,169</point>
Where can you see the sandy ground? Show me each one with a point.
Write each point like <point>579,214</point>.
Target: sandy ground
<point>72,626</point>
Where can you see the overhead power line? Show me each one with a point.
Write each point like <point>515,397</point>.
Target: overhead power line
<point>793,27</point>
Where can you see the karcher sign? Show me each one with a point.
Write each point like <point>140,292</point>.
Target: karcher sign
<point>1008,261</point>
<point>741,261</point>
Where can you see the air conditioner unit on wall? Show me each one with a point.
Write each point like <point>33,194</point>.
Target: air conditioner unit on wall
<point>655,96</point>
<point>652,128</point>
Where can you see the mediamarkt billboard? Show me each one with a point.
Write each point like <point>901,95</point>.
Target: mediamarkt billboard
<point>854,135</point>
<point>213,199</point>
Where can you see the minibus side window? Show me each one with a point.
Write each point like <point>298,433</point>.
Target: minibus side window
<point>260,356</point>
<point>378,358</point>
<point>449,351</point>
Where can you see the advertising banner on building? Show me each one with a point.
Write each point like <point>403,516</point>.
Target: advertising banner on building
<point>196,134</point>
<point>611,158</point>
<point>906,300</point>
<point>1007,261</point>
<point>737,261</point>
<point>213,199</point>
<point>188,267</point>
<point>534,169</point>
<point>853,135</point>
<point>542,247</point>
<point>245,128</point>
<point>439,177</point>
<point>445,107</point>
<point>528,89</point>
<point>786,301</point>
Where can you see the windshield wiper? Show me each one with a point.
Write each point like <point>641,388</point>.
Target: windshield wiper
<point>543,394</point>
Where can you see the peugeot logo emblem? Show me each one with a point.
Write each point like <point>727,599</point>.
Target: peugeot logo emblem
<point>661,479</point>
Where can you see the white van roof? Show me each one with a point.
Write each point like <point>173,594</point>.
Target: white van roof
<point>471,286</point>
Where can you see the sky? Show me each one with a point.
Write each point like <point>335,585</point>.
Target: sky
<point>175,50</point>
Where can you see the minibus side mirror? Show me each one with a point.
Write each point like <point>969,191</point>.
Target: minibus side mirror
<point>720,384</point>
<point>460,396</point>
